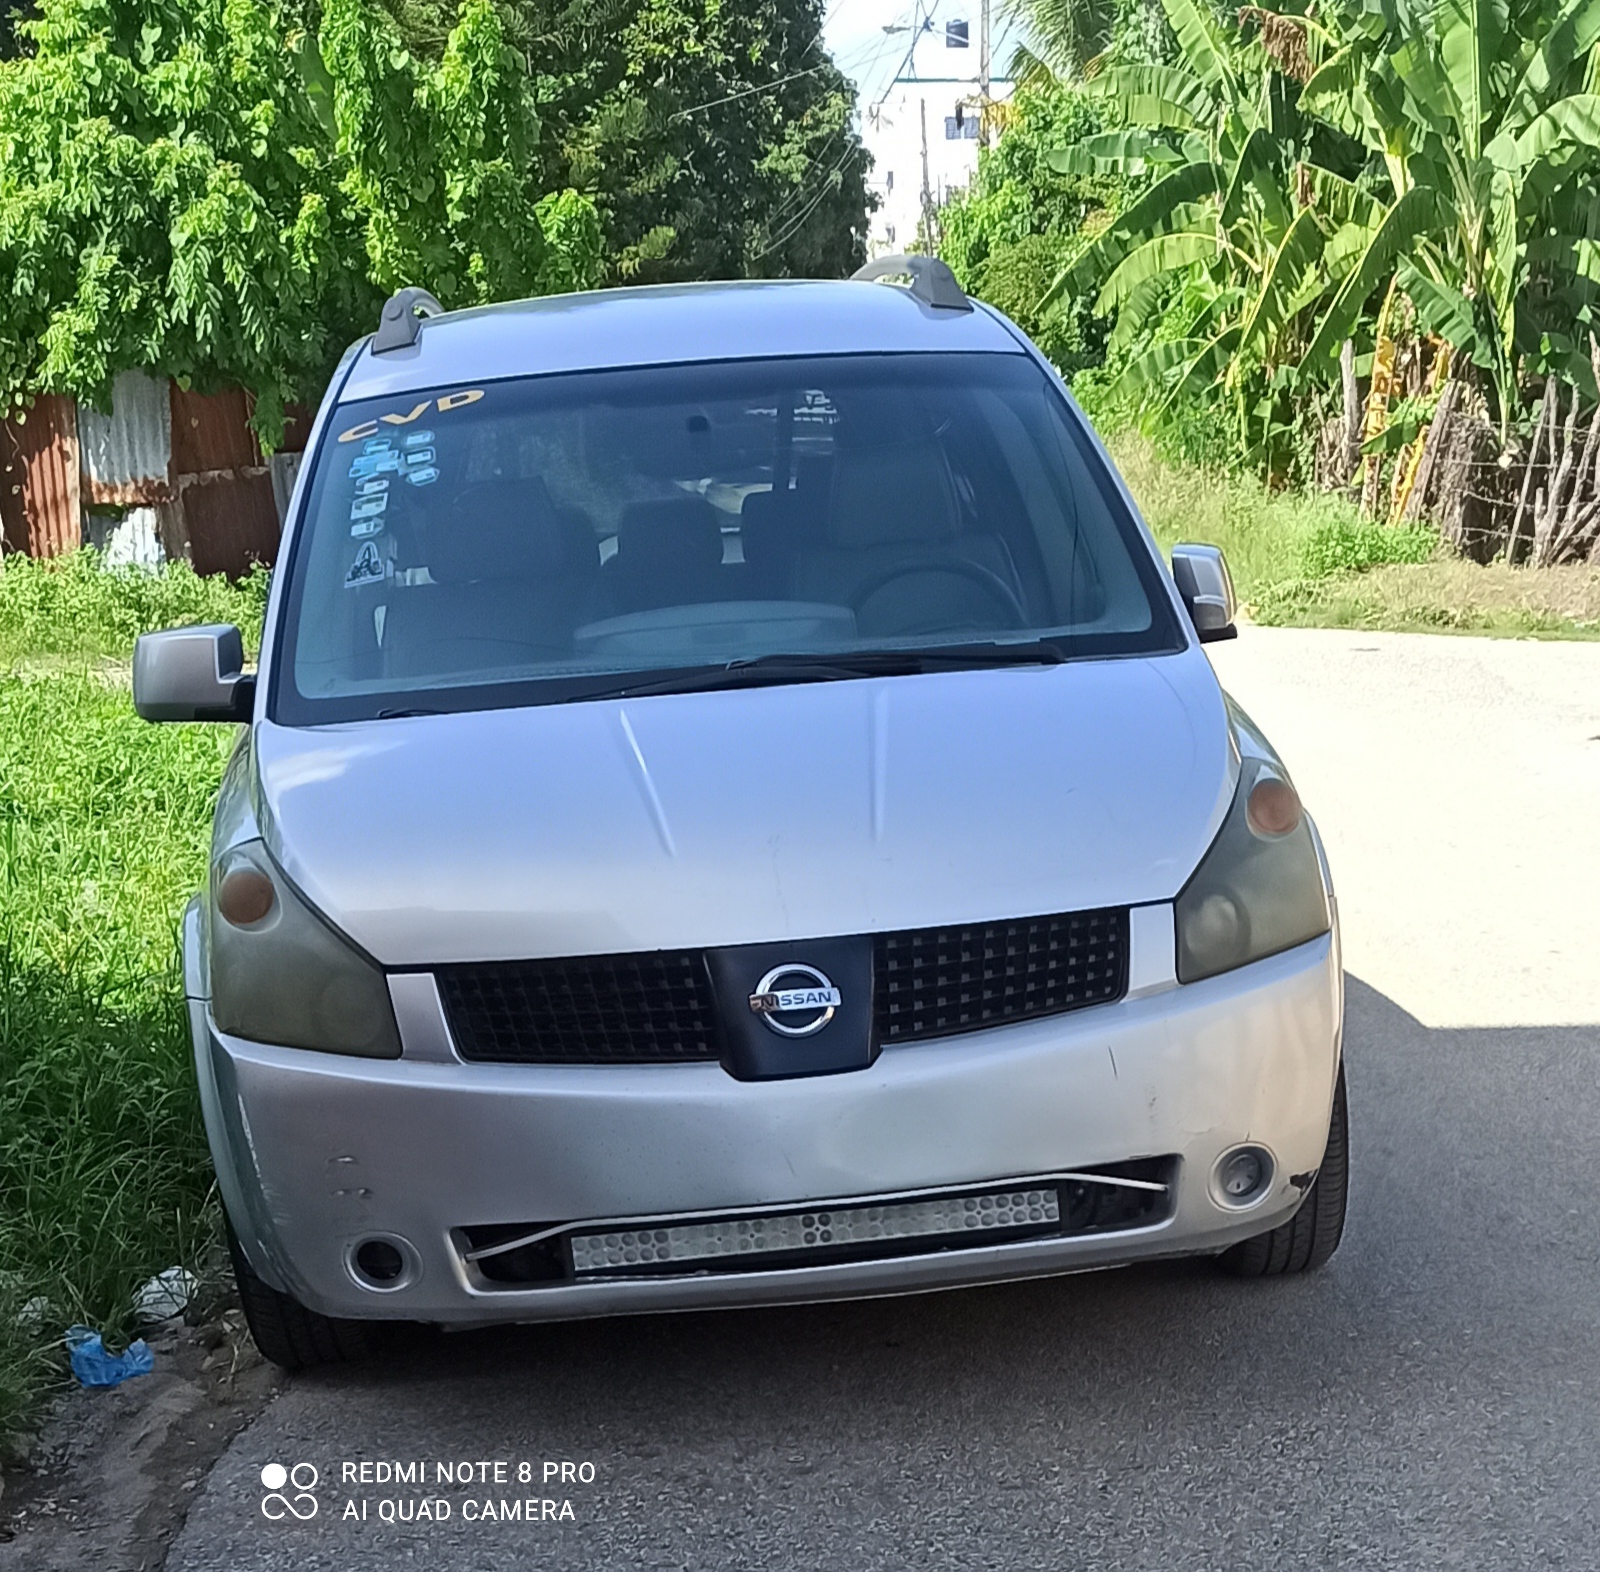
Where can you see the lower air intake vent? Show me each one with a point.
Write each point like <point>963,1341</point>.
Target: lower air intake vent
<point>1066,1205</point>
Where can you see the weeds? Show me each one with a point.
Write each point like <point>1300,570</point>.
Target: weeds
<point>1310,560</point>
<point>104,822</point>
<point>72,607</point>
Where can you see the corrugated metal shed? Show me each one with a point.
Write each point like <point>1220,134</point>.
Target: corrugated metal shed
<point>127,454</point>
<point>39,496</point>
<point>211,431</point>
<point>297,420</point>
<point>231,520</point>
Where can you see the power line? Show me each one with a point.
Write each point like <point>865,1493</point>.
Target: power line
<point>827,182</point>
<point>763,87</point>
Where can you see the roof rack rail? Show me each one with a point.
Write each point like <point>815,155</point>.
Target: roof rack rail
<point>932,282</point>
<point>400,323</point>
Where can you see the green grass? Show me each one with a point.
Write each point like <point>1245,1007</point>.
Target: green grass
<point>1310,560</point>
<point>104,822</point>
<point>73,609</point>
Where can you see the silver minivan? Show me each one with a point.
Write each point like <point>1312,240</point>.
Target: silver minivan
<point>733,809</point>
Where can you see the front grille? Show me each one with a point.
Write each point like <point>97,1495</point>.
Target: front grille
<point>658,1007</point>
<point>936,982</point>
<point>655,1007</point>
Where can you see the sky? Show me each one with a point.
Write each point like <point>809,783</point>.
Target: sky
<point>854,30</point>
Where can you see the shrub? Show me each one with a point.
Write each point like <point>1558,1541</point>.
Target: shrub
<point>1351,545</point>
<point>72,606</point>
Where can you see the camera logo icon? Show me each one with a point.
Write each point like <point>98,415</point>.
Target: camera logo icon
<point>288,1491</point>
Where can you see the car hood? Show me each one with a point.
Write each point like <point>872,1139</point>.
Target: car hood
<point>801,811</point>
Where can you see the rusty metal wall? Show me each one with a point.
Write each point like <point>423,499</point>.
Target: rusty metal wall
<point>40,501</point>
<point>191,456</point>
<point>126,455</point>
<point>297,420</point>
<point>230,519</point>
<point>211,431</point>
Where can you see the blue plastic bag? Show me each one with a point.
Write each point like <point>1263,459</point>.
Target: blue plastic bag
<point>93,1366</point>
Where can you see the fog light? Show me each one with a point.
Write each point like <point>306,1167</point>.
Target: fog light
<point>383,1265</point>
<point>1242,1176</point>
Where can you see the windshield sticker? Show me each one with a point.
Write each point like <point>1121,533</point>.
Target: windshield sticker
<point>404,417</point>
<point>369,507</point>
<point>364,529</point>
<point>370,464</point>
<point>368,568</point>
<point>419,457</point>
<point>419,439</point>
<point>422,477</point>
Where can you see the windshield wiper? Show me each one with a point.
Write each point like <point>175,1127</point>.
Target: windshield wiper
<point>772,670</point>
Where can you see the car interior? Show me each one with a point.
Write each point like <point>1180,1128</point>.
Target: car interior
<point>795,518</point>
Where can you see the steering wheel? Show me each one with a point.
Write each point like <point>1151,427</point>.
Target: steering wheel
<point>974,572</point>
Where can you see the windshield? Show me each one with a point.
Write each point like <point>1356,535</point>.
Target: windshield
<point>561,537</point>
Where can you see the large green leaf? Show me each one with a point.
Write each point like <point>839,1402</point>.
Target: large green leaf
<point>1156,96</point>
<point>1411,216</point>
<point>1575,33</point>
<point>1156,364</point>
<point>1202,44</point>
<point>1129,152</point>
<point>1285,273</point>
<point>1340,201</point>
<point>1501,269</point>
<point>1338,93</point>
<point>1415,88</point>
<point>1573,122</point>
<point>1256,170</point>
<point>1345,248</point>
<point>1470,32</point>
<point>1139,311</point>
<point>1207,365</point>
<point>1441,311</point>
<point>1162,209</point>
<point>1160,255</point>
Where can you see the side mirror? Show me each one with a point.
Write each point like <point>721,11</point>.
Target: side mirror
<point>1206,589</point>
<point>192,674</point>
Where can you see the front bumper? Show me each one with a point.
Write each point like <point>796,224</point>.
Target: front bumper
<point>317,1152</point>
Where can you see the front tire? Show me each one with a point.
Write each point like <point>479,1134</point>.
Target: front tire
<point>1312,1235</point>
<point>287,1333</point>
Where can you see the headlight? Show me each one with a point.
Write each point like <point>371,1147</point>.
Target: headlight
<point>280,974</point>
<point>1259,888</point>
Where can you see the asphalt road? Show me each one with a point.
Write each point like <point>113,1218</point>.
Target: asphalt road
<point>1428,1401</point>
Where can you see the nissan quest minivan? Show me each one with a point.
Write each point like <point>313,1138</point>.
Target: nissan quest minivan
<point>733,809</point>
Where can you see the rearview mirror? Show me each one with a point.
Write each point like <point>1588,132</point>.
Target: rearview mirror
<point>1206,588</point>
<point>192,674</point>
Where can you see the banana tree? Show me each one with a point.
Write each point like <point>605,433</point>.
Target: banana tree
<point>1481,137</point>
<point>1220,227</point>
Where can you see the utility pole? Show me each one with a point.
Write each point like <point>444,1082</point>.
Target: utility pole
<point>929,239</point>
<point>983,75</point>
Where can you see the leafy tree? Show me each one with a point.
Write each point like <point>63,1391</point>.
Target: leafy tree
<point>11,13</point>
<point>1481,133</point>
<point>716,140</point>
<point>1061,37</point>
<point>1005,237</point>
<point>1216,234</point>
<point>204,189</point>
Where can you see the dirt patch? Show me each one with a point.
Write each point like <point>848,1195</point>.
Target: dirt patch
<point>109,1480</point>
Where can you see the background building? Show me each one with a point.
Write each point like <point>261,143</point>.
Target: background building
<point>925,126</point>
